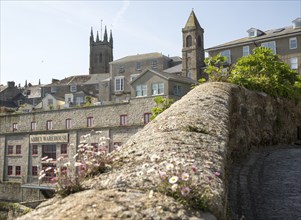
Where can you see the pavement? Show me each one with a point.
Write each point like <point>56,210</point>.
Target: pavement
<point>268,185</point>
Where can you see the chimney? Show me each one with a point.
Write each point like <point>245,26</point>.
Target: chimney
<point>11,84</point>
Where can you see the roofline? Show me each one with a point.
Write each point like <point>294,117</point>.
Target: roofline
<point>252,40</point>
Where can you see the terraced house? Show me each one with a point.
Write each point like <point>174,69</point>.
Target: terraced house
<point>284,41</point>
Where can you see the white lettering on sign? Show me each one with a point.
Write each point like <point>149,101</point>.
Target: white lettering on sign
<point>49,138</point>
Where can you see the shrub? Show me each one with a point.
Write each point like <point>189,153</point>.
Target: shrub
<point>264,71</point>
<point>88,161</point>
<point>161,105</point>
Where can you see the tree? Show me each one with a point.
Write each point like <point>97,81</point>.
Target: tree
<point>161,105</point>
<point>264,71</point>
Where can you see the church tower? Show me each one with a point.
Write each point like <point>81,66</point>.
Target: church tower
<point>193,53</point>
<point>101,53</point>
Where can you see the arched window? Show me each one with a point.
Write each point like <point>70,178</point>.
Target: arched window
<point>188,41</point>
<point>100,57</point>
<point>200,43</point>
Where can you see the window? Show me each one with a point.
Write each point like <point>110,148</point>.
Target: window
<point>68,123</point>
<point>188,41</point>
<point>33,126</point>
<point>154,64</point>
<point>294,63</point>
<point>177,90</point>
<point>89,122</point>
<point>271,45</point>
<point>18,149</point>
<point>138,66</point>
<point>49,125</point>
<point>189,74</point>
<point>79,100</point>
<point>73,88</point>
<point>49,151</point>
<point>34,171</point>
<point>147,117</point>
<point>134,76</point>
<point>121,69</point>
<point>245,51</point>
<point>64,148</point>
<point>119,83</point>
<point>50,102</point>
<point>157,88</point>
<point>227,53</point>
<point>53,89</point>
<point>293,43</point>
<point>34,149</point>
<point>10,149</point>
<point>10,170</point>
<point>123,119</point>
<point>141,90</point>
<point>15,126</point>
<point>18,170</point>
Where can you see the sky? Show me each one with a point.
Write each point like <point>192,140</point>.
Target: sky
<point>42,40</point>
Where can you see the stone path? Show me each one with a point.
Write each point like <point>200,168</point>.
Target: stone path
<point>268,186</point>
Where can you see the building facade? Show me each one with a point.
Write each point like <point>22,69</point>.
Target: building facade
<point>286,42</point>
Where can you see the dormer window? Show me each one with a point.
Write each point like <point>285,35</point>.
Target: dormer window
<point>53,89</point>
<point>297,23</point>
<point>253,32</point>
<point>73,88</point>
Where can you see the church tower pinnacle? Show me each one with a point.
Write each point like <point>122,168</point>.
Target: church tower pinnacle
<point>101,53</point>
<point>193,53</point>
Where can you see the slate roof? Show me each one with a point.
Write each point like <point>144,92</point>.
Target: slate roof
<point>273,33</point>
<point>167,76</point>
<point>174,69</point>
<point>192,21</point>
<point>138,57</point>
<point>81,79</point>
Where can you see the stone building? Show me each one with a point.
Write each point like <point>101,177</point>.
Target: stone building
<point>285,42</point>
<point>124,90</point>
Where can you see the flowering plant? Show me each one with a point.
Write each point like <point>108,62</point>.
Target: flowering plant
<point>90,160</point>
<point>179,180</point>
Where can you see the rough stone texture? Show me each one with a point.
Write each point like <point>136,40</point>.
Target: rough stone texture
<point>213,126</point>
<point>114,204</point>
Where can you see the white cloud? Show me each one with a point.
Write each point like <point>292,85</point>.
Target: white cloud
<point>121,12</point>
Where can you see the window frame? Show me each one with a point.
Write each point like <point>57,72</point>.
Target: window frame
<point>245,52</point>
<point>123,120</point>
<point>10,149</point>
<point>64,149</point>
<point>147,117</point>
<point>156,91</point>
<point>49,125</point>
<point>73,88</point>
<point>120,87</point>
<point>15,126</point>
<point>9,170</point>
<point>34,150</point>
<point>49,150</point>
<point>177,90</point>
<point>268,45</point>
<point>53,89</point>
<point>138,66</point>
<point>18,149</point>
<point>293,39</point>
<point>68,123</point>
<point>154,64</point>
<point>294,63</point>
<point>34,171</point>
<point>90,122</point>
<point>227,53</point>
<point>33,126</point>
<point>142,89</point>
<point>18,171</point>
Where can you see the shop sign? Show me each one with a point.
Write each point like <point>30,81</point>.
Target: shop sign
<point>49,138</point>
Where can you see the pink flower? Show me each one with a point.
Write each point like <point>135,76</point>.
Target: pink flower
<point>210,178</point>
<point>217,173</point>
<point>185,176</point>
<point>162,174</point>
<point>193,168</point>
<point>185,191</point>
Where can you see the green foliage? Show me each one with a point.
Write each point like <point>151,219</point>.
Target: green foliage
<point>216,69</point>
<point>88,101</point>
<point>264,71</point>
<point>161,105</point>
